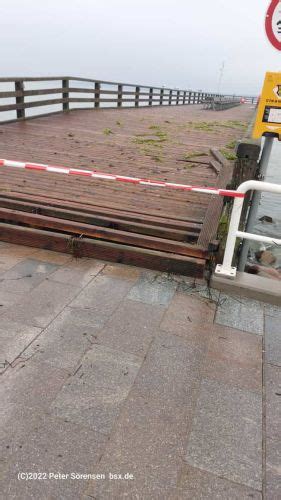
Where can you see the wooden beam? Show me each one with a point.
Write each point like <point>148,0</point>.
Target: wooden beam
<point>19,87</point>
<point>150,227</point>
<point>166,220</point>
<point>65,95</point>
<point>120,96</point>
<point>137,97</point>
<point>103,233</point>
<point>150,96</point>
<point>84,247</point>
<point>97,95</point>
<point>170,97</point>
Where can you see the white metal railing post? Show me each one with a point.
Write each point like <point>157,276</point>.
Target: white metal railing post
<point>256,198</point>
<point>225,269</point>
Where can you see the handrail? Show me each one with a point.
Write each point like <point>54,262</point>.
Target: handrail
<point>100,92</point>
<point>220,103</point>
<point>225,269</point>
<point>80,79</point>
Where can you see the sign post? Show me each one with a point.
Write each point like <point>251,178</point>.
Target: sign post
<point>268,125</point>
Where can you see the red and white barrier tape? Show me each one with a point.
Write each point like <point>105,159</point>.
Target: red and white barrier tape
<point>122,178</point>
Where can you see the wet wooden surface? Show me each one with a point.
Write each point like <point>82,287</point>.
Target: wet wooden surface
<point>167,143</point>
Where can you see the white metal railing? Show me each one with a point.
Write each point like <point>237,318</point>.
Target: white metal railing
<point>225,269</point>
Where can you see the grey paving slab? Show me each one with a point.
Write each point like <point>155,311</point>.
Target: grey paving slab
<point>273,469</point>
<point>198,289</point>
<point>52,257</point>
<point>8,299</point>
<point>187,311</point>
<point>241,313</point>
<point>26,391</point>
<point>11,255</point>
<point>148,442</point>
<point>25,275</point>
<point>78,273</point>
<point>9,260</point>
<point>131,327</point>
<point>234,358</point>
<point>272,376</point>
<point>52,446</point>
<point>195,484</point>
<point>66,339</point>
<point>14,338</point>
<point>31,384</point>
<point>140,488</point>
<point>102,296</point>
<point>19,251</point>
<point>273,339</point>
<point>122,272</point>
<point>153,288</point>
<point>233,374</point>
<point>93,395</point>
<point>171,370</point>
<point>271,310</point>
<point>190,317</point>
<point>16,421</point>
<point>226,436</point>
<point>42,304</point>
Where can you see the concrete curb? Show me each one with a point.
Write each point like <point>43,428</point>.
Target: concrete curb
<point>250,285</point>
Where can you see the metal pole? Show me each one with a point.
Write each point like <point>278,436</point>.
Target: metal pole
<point>225,269</point>
<point>253,212</point>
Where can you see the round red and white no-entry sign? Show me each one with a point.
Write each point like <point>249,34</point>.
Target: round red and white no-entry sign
<point>273,23</point>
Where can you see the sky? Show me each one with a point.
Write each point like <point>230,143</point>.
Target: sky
<point>179,43</point>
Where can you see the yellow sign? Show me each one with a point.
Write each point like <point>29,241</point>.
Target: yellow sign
<point>268,120</point>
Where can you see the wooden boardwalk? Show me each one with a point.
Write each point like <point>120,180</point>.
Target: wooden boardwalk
<point>154,228</point>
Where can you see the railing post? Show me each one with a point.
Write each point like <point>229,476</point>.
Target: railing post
<point>120,94</point>
<point>170,97</point>
<point>256,198</point>
<point>97,95</point>
<point>184,97</point>
<point>161,96</point>
<point>19,87</point>
<point>150,96</point>
<point>137,97</point>
<point>194,97</point>
<point>226,269</point>
<point>178,97</point>
<point>65,95</point>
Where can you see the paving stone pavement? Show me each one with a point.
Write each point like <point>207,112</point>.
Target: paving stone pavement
<point>111,369</point>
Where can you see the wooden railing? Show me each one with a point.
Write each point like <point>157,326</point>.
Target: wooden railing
<point>96,93</point>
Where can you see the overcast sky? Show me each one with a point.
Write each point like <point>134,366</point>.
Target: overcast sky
<point>179,43</point>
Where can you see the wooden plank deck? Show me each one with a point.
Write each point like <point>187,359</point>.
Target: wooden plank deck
<point>152,227</point>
